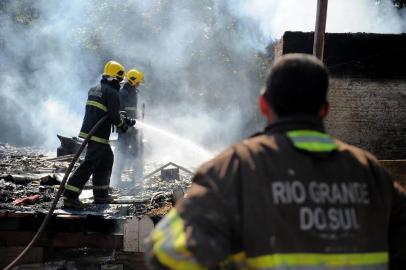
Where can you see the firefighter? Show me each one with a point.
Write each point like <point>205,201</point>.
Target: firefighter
<point>291,197</point>
<point>103,99</point>
<point>128,143</point>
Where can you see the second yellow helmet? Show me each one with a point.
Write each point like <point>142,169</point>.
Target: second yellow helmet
<point>135,76</point>
<point>114,69</point>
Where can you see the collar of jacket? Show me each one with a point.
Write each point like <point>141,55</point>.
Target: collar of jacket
<point>129,88</point>
<point>295,122</point>
<point>113,83</point>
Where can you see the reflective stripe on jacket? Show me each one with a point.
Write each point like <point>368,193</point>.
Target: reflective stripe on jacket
<point>289,198</point>
<point>129,100</point>
<point>102,99</point>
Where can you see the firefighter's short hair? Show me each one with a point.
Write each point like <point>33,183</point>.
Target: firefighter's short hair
<point>297,84</point>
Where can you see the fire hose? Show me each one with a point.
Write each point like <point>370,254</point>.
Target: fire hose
<point>57,196</point>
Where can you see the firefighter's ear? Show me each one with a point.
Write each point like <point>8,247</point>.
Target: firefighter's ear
<point>266,110</point>
<point>263,106</point>
<point>325,109</point>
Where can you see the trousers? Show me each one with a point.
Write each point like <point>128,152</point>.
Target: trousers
<point>126,153</point>
<point>98,163</point>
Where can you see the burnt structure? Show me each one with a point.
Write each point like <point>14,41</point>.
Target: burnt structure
<point>102,236</point>
<point>367,88</point>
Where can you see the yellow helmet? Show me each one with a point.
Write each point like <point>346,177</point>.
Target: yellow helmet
<point>135,76</point>
<point>114,69</point>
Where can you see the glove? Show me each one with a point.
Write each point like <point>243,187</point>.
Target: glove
<point>130,122</point>
<point>124,127</point>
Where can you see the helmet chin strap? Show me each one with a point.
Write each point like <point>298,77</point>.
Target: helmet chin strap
<point>110,79</point>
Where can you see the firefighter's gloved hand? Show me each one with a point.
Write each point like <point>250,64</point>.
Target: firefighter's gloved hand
<point>124,127</point>
<point>130,121</point>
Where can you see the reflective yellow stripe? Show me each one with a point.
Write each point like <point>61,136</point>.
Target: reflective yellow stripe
<point>94,138</point>
<point>315,259</point>
<point>239,257</point>
<point>312,140</point>
<point>73,188</point>
<point>101,187</point>
<point>307,132</point>
<point>235,261</point>
<point>96,104</point>
<point>179,241</point>
<point>170,244</point>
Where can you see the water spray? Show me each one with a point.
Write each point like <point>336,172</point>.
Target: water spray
<point>177,138</point>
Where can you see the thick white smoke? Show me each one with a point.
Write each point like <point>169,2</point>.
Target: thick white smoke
<point>274,17</point>
<point>202,60</point>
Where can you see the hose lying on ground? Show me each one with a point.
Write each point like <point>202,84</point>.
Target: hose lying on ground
<point>57,196</point>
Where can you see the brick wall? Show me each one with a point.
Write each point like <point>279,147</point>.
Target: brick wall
<point>370,114</point>
<point>367,89</point>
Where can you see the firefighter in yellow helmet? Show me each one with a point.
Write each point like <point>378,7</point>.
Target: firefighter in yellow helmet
<point>103,99</point>
<point>128,147</point>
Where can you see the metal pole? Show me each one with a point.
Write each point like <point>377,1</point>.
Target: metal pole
<point>318,45</point>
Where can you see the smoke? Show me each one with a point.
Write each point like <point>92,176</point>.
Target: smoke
<point>204,61</point>
<point>274,17</point>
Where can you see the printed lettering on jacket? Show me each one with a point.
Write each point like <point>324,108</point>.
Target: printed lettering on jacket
<point>323,206</point>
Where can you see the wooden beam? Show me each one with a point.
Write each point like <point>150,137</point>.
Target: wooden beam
<point>8,254</point>
<point>319,32</point>
<point>63,240</point>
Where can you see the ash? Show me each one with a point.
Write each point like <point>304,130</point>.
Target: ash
<point>26,171</point>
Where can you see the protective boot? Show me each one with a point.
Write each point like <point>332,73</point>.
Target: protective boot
<point>104,200</point>
<point>69,203</point>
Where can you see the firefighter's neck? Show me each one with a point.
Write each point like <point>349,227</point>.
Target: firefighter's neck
<point>271,116</point>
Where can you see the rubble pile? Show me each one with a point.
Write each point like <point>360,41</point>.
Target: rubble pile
<point>29,180</point>
<point>11,192</point>
<point>149,187</point>
<point>31,196</point>
<point>22,160</point>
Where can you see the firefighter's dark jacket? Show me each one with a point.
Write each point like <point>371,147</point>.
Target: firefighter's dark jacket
<point>129,99</point>
<point>102,99</point>
<point>291,197</point>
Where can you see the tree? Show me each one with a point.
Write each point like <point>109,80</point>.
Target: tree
<point>400,3</point>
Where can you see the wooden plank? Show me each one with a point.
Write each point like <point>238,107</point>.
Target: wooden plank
<point>8,254</point>
<point>135,232</point>
<point>63,240</point>
<point>131,260</point>
<point>62,158</point>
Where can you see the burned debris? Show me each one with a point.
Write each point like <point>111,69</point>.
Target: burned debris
<point>26,172</point>
<point>29,179</point>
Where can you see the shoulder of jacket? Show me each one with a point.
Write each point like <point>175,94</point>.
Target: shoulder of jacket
<point>124,92</point>
<point>105,86</point>
<point>362,155</point>
<point>95,87</point>
<point>217,162</point>
<point>259,142</point>
<point>109,90</point>
<point>241,152</point>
